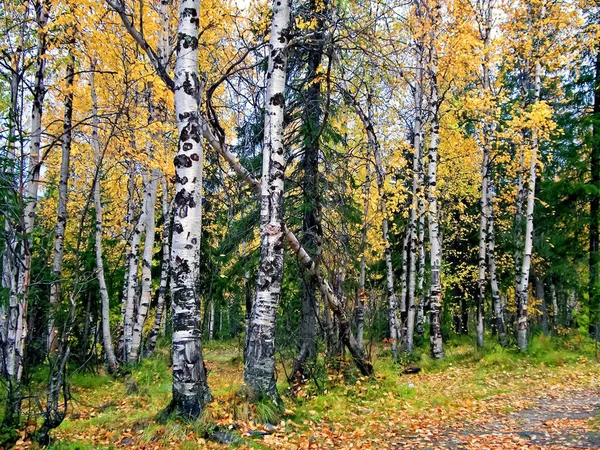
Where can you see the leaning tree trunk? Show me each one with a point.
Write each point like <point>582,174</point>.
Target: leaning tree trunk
<point>190,388</point>
<point>367,120</point>
<point>109,352</point>
<point>146,294</point>
<point>522,293</point>
<point>61,209</point>
<point>435,241</point>
<point>259,366</point>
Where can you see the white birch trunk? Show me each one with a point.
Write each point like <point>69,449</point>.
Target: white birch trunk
<point>435,241</point>
<point>522,293</point>
<point>483,228</point>
<point>109,353</point>
<point>259,365</point>
<point>498,308</point>
<point>159,318</point>
<point>190,388</point>
<point>417,184</point>
<point>129,317</point>
<point>61,209</point>
<point>146,294</point>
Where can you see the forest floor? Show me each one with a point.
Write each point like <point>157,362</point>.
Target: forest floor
<point>497,399</point>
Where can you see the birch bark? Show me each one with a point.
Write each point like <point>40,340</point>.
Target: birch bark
<point>435,242</point>
<point>107,344</point>
<point>190,388</point>
<point>61,209</point>
<point>146,293</point>
<point>522,293</point>
<point>259,365</point>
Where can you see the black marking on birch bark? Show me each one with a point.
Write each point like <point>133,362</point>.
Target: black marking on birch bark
<point>191,131</point>
<point>184,198</point>
<point>187,146</point>
<point>185,41</point>
<point>182,161</point>
<point>192,14</point>
<point>181,180</point>
<point>278,62</point>
<point>195,157</point>
<point>277,100</point>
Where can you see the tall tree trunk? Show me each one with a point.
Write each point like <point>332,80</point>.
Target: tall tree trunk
<point>259,367</point>
<point>362,293</point>
<point>107,344</point>
<point>594,288</point>
<point>417,184</point>
<point>435,241</point>
<point>190,388</point>
<point>483,229</point>
<point>311,223</point>
<point>555,312</point>
<point>132,275</point>
<point>159,317</point>
<point>420,326</point>
<point>61,209</point>
<point>522,293</point>
<point>367,120</point>
<point>146,294</point>
<point>17,321</point>
<point>498,309</point>
<point>541,297</point>
<point>211,318</point>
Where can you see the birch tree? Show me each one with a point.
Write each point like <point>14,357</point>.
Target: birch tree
<point>190,388</point>
<point>259,364</point>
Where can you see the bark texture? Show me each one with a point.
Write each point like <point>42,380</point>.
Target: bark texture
<point>259,364</point>
<point>61,209</point>
<point>190,389</point>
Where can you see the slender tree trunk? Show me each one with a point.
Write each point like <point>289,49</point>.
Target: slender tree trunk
<point>211,318</point>
<point>311,224</point>
<point>132,277</point>
<point>17,321</point>
<point>541,296</point>
<point>435,241</point>
<point>362,293</point>
<point>107,344</point>
<point>522,293</point>
<point>420,326</point>
<point>61,209</point>
<point>594,288</point>
<point>417,184</point>
<point>555,312</point>
<point>483,229</point>
<point>190,388</point>
<point>146,294</point>
<point>259,367</point>
<point>498,309</point>
<point>393,321</point>
<point>159,318</point>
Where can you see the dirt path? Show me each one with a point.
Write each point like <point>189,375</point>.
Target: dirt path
<point>556,420</point>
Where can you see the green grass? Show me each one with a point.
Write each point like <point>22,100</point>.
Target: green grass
<point>129,404</point>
